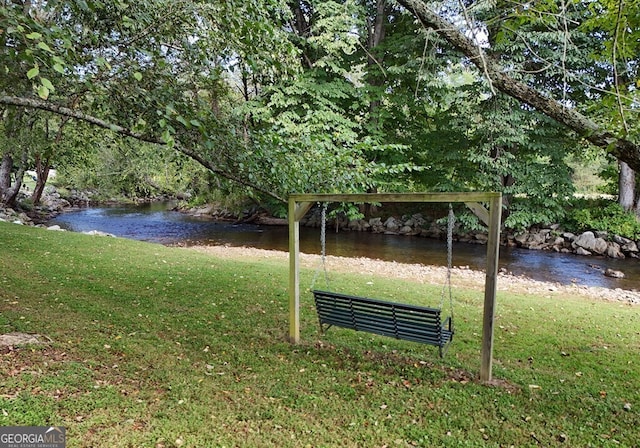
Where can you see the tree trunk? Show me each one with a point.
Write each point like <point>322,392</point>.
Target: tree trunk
<point>8,190</point>
<point>621,148</point>
<point>376,34</point>
<point>42,174</point>
<point>626,187</point>
<point>5,175</point>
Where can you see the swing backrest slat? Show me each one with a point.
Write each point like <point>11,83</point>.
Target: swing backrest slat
<point>398,320</point>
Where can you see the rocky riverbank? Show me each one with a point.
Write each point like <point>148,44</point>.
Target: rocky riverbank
<point>51,204</point>
<point>549,238</point>
<point>552,237</point>
<point>464,277</point>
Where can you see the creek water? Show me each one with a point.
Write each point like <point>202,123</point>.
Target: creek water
<point>157,223</point>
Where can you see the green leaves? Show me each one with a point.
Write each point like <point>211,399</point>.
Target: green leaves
<point>47,84</point>
<point>43,46</point>
<point>35,71</point>
<point>43,92</point>
<point>33,36</point>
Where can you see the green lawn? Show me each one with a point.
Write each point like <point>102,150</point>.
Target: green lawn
<point>166,347</point>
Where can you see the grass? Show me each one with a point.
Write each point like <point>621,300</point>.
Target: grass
<point>165,347</point>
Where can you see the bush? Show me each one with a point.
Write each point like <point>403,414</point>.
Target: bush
<point>604,215</point>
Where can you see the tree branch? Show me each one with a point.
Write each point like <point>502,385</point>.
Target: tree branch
<point>35,103</point>
<point>623,149</point>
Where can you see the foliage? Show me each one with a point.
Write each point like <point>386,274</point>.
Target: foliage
<point>155,67</point>
<point>123,169</point>
<point>150,345</point>
<point>280,97</point>
<point>481,142</point>
<point>609,174</point>
<point>603,215</point>
<point>617,27</point>
<point>593,172</point>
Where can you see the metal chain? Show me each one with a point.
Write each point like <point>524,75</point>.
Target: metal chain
<point>323,245</point>
<point>451,220</point>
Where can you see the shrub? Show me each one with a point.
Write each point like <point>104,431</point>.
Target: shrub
<point>604,215</point>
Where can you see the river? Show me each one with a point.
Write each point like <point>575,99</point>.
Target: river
<point>157,223</point>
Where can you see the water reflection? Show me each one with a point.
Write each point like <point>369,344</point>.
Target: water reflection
<point>156,223</point>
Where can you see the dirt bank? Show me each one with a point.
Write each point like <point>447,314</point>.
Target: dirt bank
<point>429,274</point>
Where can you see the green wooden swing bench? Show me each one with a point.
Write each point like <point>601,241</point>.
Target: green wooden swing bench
<point>398,320</point>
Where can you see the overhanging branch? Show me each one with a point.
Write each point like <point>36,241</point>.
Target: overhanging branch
<point>623,149</point>
<point>35,103</point>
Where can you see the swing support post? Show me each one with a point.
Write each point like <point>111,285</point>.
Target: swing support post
<point>297,210</point>
<point>490,287</point>
<point>299,205</point>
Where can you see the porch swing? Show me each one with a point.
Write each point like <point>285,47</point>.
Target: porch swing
<point>398,320</point>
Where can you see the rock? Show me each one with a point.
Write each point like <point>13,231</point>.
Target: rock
<point>98,233</point>
<point>613,273</point>
<point>56,227</point>
<point>589,242</point>
<point>534,240</point>
<point>357,225</point>
<point>410,223</point>
<point>631,246</point>
<point>205,210</point>
<point>582,251</point>
<point>392,224</point>
<point>521,238</point>
<point>621,240</point>
<point>418,220</point>
<point>613,251</point>
<point>271,221</point>
<point>601,246</point>
<point>17,339</point>
<point>407,230</point>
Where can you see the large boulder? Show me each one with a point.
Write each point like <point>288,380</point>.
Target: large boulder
<point>358,225</point>
<point>591,243</point>
<point>376,225</point>
<point>392,225</point>
<point>613,251</point>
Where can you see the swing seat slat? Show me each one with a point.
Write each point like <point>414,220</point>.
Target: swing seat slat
<point>401,321</point>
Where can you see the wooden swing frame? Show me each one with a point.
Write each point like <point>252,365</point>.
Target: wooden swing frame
<point>299,205</point>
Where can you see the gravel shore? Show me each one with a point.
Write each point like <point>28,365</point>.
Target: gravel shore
<point>461,277</point>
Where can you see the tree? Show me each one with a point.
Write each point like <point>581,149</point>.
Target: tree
<point>332,95</point>
<point>150,70</point>
<point>623,147</point>
<point>619,23</point>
